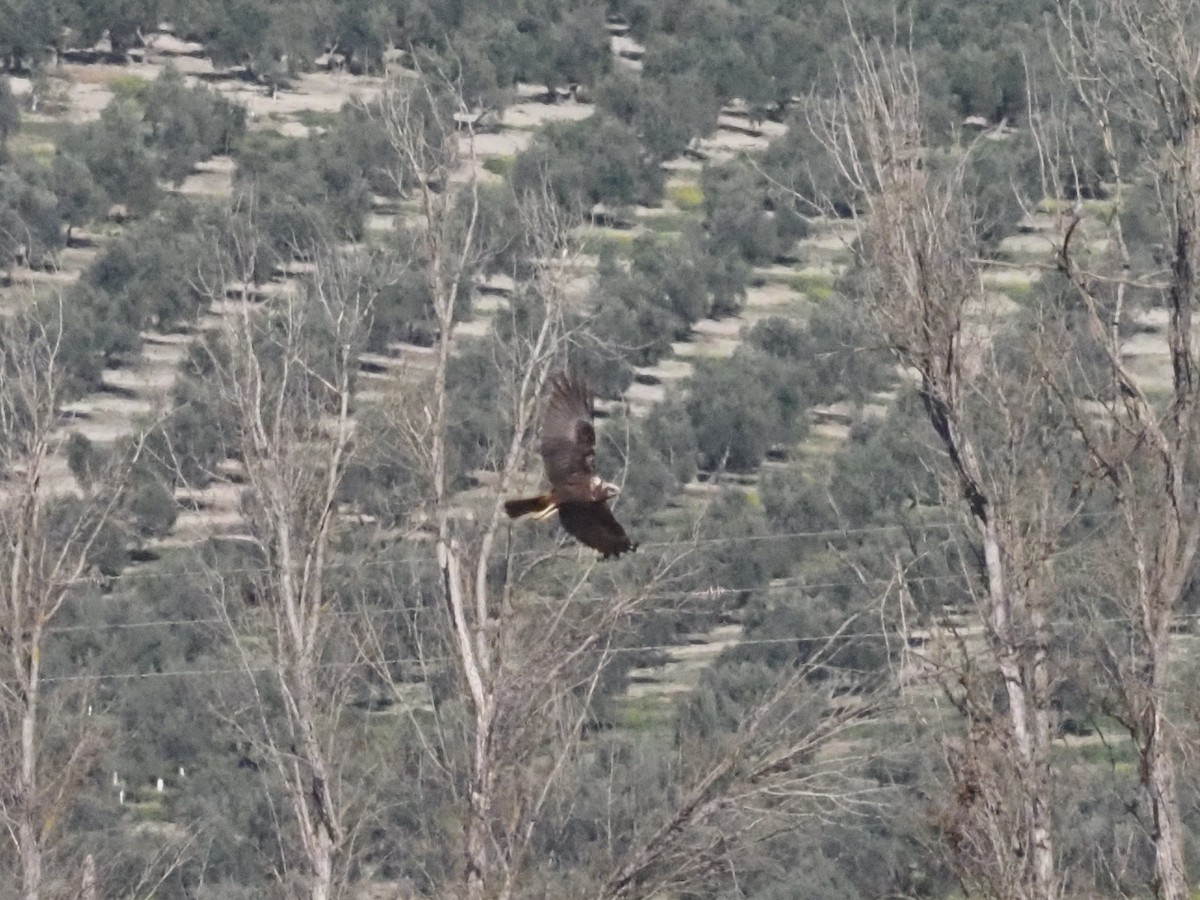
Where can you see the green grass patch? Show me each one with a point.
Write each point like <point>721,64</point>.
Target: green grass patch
<point>128,87</point>
<point>814,285</point>
<point>1017,291</point>
<point>25,147</point>
<point>644,714</point>
<point>686,196</point>
<point>266,141</point>
<point>668,223</point>
<point>50,131</point>
<point>38,139</point>
<point>1118,752</point>
<point>1159,397</point>
<point>149,810</point>
<point>1099,208</point>
<point>316,118</point>
<point>843,258</point>
<point>596,241</point>
<point>500,165</point>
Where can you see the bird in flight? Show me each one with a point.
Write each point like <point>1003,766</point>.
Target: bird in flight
<point>577,493</point>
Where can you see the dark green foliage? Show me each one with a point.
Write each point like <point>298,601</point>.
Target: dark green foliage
<point>633,324</point>
<point>666,113</point>
<point>192,441</point>
<point>71,524</point>
<point>743,407</point>
<point>598,160</point>
<point>29,227</point>
<point>10,112</point>
<point>1003,179</point>
<point>744,218</point>
<point>98,329</point>
<point>722,697</point>
<point>403,309</point>
<point>567,48</point>
<point>485,54</point>
<point>738,557</point>
<point>82,459</point>
<point>492,46</point>
<point>800,161</point>
<point>404,312</point>
<point>364,30</point>
<point>648,302</point>
<point>272,41</point>
<point>122,20</point>
<point>476,419</point>
<point>115,150</point>
<point>156,274</point>
<point>80,198</point>
<point>881,471</point>
<point>704,37</point>
<point>768,53</point>
<point>151,508</point>
<point>304,193</point>
<point>357,139</point>
<point>158,270</point>
<point>188,124</point>
<point>669,431</point>
<point>632,461</point>
<point>27,28</point>
<point>164,133</point>
<point>834,352</point>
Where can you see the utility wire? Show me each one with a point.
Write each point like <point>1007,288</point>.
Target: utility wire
<point>828,534</point>
<point>705,593</point>
<point>426,660</point>
<point>643,648</point>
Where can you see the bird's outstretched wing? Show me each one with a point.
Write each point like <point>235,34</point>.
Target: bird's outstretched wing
<point>568,437</point>
<point>593,524</point>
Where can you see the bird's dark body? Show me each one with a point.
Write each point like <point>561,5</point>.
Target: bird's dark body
<point>578,495</point>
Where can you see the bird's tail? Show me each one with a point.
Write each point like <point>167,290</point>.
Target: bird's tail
<point>540,506</point>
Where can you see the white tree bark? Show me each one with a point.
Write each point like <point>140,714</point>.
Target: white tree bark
<point>1156,93</point>
<point>289,406</point>
<point>917,255</point>
<point>38,569</point>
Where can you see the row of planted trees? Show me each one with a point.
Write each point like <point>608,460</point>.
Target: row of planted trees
<point>1075,479</point>
<point>1075,547</point>
<point>507,643</point>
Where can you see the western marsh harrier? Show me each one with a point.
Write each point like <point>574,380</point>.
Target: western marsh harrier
<point>577,493</point>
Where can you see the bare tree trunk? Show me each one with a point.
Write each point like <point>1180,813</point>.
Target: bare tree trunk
<point>922,284</point>
<point>430,157</point>
<point>530,703</point>
<point>28,841</point>
<point>40,563</point>
<point>1153,477</point>
<point>287,408</point>
<point>87,885</point>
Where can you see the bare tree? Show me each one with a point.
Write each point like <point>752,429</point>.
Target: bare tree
<point>789,761</point>
<point>50,529</point>
<point>921,283</point>
<point>284,374</point>
<point>1135,70</point>
<point>529,653</point>
<point>529,664</point>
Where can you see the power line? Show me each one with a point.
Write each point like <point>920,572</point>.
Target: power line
<point>705,593</point>
<point>426,660</point>
<point>827,534</point>
<point>643,648</point>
